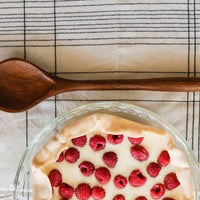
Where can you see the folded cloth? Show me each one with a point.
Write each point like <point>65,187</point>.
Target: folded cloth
<point>84,39</point>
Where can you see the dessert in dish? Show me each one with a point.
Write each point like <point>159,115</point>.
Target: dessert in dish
<point>107,157</point>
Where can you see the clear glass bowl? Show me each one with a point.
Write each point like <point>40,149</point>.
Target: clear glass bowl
<point>22,182</point>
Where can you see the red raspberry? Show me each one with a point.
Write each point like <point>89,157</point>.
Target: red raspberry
<point>164,158</point>
<point>87,168</point>
<point>136,178</point>
<point>98,193</point>
<point>55,177</point>
<point>66,191</point>
<point>102,175</point>
<point>83,191</point>
<point>153,169</point>
<point>110,158</point>
<point>120,181</point>
<point>61,157</point>
<point>139,152</point>
<point>141,198</point>
<point>97,142</point>
<point>171,181</point>
<point>168,198</point>
<point>80,141</point>
<point>157,191</point>
<point>115,139</point>
<point>72,155</point>
<point>135,140</point>
<point>119,197</point>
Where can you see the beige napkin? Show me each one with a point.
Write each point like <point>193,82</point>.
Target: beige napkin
<point>90,39</point>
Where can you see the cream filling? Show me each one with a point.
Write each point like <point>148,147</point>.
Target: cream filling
<point>154,141</point>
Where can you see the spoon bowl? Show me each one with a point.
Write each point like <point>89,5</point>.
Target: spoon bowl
<point>22,85</point>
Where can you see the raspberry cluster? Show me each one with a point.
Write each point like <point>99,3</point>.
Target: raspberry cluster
<point>102,174</point>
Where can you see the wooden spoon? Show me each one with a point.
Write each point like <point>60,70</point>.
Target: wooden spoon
<point>23,85</point>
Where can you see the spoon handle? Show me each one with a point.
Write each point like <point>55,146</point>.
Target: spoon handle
<point>172,84</point>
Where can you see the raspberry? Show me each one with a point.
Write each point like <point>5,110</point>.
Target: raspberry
<point>168,198</point>
<point>72,155</point>
<point>157,191</point>
<point>141,198</point>
<point>55,177</point>
<point>110,158</point>
<point>115,139</point>
<point>119,197</point>
<point>136,178</point>
<point>87,168</point>
<point>164,158</point>
<point>66,191</point>
<point>171,181</point>
<point>153,169</point>
<point>139,152</point>
<point>102,175</point>
<point>135,140</point>
<point>80,141</point>
<point>61,157</point>
<point>97,142</point>
<point>98,193</point>
<point>83,191</point>
<point>120,181</point>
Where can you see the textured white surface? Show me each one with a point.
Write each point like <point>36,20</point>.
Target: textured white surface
<point>135,43</point>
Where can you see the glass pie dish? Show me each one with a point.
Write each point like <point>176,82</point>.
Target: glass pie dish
<point>22,182</point>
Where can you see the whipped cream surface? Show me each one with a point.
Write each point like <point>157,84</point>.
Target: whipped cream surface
<point>154,141</point>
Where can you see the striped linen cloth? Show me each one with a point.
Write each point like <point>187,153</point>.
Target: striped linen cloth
<point>100,39</point>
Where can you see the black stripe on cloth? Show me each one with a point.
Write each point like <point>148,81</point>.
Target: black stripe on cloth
<point>55,51</point>
<point>100,38</point>
<point>194,11</point>
<point>108,44</point>
<point>131,100</point>
<point>81,18</point>
<point>62,1</point>
<point>142,72</point>
<point>187,110</point>
<point>27,134</point>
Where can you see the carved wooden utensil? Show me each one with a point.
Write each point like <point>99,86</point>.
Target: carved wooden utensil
<point>23,85</point>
